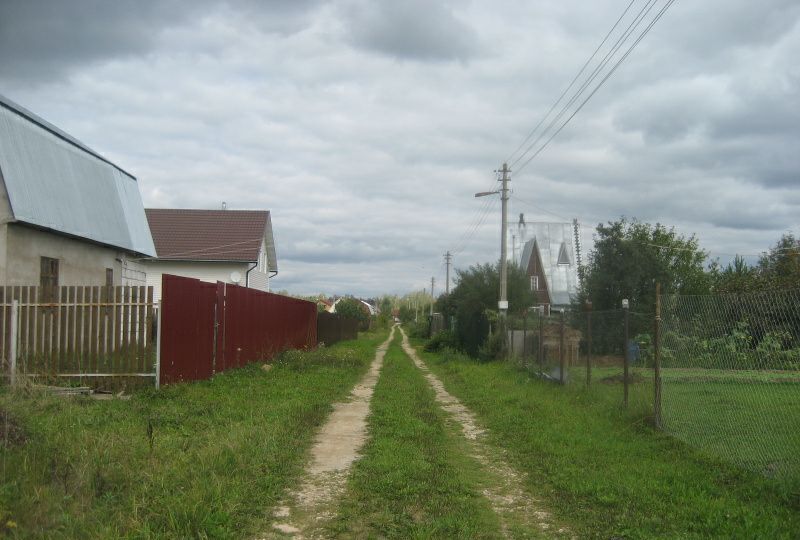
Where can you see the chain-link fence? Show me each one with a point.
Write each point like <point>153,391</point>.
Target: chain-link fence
<point>585,347</point>
<point>729,369</point>
<point>730,377</point>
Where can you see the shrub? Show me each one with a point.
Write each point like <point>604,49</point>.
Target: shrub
<point>441,340</point>
<point>494,348</point>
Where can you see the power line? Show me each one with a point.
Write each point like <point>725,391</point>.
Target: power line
<point>570,85</point>
<point>600,84</point>
<point>638,18</point>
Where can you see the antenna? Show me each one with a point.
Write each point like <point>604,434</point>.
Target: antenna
<point>576,230</point>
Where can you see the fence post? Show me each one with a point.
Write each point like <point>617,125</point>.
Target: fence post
<point>657,360</point>
<point>562,375</point>
<point>158,347</point>
<point>525,340</point>
<point>541,342</point>
<point>588,342</point>
<point>12,346</point>
<point>626,360</point>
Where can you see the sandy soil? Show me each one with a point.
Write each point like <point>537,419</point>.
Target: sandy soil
<point>335,448</point>
<point>503,485</point>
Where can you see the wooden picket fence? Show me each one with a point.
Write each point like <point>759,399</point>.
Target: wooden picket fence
<point>101,336</point>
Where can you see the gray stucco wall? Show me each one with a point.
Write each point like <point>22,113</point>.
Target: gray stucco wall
<point>80,262</point>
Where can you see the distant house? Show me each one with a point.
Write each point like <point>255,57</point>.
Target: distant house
<point>549,260</point>
<point>232,246</point>
<point>68,216</point>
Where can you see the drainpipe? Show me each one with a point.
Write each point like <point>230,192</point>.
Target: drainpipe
<point>247,275</point>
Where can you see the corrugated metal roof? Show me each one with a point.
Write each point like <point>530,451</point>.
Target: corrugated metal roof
<point>550,239</point>
<point>212,235</point>
<point>54,181</point>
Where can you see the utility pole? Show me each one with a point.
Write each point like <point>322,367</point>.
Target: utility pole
<point>433,280</point>
<point>503,304</point>
<point>447,258</point>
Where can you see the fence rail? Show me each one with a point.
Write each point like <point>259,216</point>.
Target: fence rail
<point>85,332</point>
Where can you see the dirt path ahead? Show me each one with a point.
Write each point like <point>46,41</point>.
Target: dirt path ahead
<point>520,514</point>
<point>335,448</point>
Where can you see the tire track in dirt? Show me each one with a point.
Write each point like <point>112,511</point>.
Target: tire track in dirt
<point>504,486</point>
<point>335,448</point>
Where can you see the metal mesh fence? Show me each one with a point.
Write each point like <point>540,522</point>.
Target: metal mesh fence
<point>730,377</point>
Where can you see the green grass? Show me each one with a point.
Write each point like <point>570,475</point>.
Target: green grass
<point>221,454</point>
<point>414,479</point>
<point>608,473</point>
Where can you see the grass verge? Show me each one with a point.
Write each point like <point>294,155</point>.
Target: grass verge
<point>196,460</point>
<point>414,479</point>
<point>605,470</point>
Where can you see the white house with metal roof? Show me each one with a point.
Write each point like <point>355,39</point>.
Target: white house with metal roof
<point>68,216</point>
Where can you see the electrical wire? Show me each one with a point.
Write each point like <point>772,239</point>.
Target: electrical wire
<point>600,84</point>
<point>572,83</point>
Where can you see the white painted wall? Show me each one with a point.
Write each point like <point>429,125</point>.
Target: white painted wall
<point>210,272</point>
<point>259,277</point>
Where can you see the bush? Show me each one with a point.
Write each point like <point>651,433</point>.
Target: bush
<point>418,329</point>
<point>441,340</point>
<point>494,348</point>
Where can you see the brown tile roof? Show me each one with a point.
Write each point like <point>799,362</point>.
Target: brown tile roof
<point>211,235</point>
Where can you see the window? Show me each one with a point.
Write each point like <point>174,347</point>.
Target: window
<point>48,279</point>
<point>109,277</point>
<point>563,256</point>
<point>534,283</point>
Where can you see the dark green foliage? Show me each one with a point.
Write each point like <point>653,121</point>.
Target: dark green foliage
<point>476,292</point>
<point>627,263</point>
<point>418,329</point>
<point>442,340</point>
<point>354,309</point>
<point>779,268</point>
<point>737,277</point>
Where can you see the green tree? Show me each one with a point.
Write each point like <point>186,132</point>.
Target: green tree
<point>736,277</point>
<point>354,309</point>
<point>779,268</point>
<point>630,256</point>
<point>475,292</point>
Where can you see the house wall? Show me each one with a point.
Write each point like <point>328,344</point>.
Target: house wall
<point>535,268</point>
<point>259,277</point>
<point>80,262</point>
<point>204,271</point>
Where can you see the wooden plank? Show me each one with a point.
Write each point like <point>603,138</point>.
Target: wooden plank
<point>133,350</point>
<point>3,320</point>
<point>117,323</point>
<point>71,330</point>
<point>102,350</point>
<point>95,339</point>
<point>22,348</point>
<point>62,329</point>
<point>21,323</point>
<point>141,330</point>
<point>125,336</point>
<point>84,363</point>
<point>37,358</point>
<point>150,342</point>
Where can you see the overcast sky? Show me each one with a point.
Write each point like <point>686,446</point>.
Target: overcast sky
<point>365,127</point>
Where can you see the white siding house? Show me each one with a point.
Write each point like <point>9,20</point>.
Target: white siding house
<point>232,246</point>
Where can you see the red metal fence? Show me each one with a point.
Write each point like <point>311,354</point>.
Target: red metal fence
<point>207,328</point>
